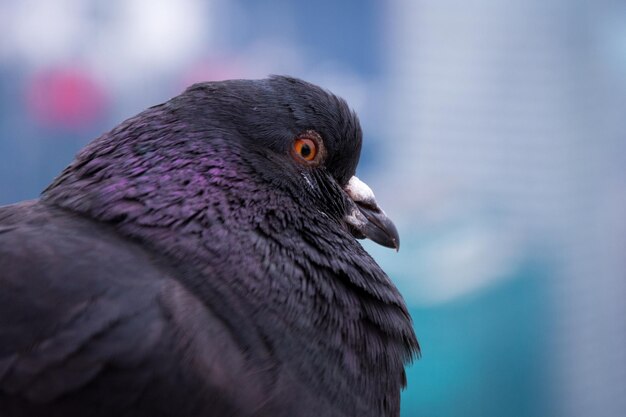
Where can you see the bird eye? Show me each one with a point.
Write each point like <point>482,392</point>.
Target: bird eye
<point>305,148</point>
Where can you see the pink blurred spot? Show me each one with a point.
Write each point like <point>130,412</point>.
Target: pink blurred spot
<point>66,97</point>
<point>212,70</point>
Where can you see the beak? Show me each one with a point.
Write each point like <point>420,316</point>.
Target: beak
<point>366,219</point>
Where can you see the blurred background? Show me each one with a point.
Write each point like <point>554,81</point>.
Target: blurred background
<point>495,137</point>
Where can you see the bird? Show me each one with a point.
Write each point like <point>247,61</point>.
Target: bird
<point>202,259</point>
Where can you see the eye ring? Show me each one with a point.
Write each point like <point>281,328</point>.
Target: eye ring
<point>308,148</point>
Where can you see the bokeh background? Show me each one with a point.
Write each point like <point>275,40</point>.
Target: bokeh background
<point>495,137</point>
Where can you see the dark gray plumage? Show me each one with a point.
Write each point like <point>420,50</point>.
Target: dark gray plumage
<point>188,263</point>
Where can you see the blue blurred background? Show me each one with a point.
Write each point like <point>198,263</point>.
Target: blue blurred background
<point>495,137</point>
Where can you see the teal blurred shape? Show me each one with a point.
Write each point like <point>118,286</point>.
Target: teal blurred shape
<point>485,354</point>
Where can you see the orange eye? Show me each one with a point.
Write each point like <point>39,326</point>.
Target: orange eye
<point>305,148</point>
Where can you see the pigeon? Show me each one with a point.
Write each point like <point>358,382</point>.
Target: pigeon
<point>201,259</point>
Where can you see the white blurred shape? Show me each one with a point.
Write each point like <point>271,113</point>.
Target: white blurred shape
<point>463,262</point>
<point>467,257</point>
<point>161,32</point>
<point>125,42</point>
<point>42,32</point>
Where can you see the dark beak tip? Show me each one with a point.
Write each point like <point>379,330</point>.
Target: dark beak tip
<point>379,228</point>
<point>388,241</point>
<point>394,238</point>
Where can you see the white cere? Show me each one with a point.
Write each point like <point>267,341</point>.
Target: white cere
<point>360,192</point>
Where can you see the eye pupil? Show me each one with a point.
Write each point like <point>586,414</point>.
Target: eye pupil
<point>305,149</point>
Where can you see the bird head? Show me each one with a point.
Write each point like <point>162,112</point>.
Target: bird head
<point>290,134</point>
<point>299,137</point>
